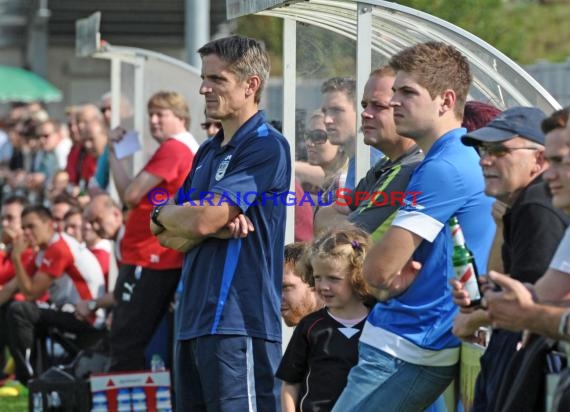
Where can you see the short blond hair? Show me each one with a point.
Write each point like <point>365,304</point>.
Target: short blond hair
<point>171,101</point>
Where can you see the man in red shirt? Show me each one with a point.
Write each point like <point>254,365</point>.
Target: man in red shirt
<point>82,159</point>
<point>64,267</point>
<point>149,273</point>
<point>11,227</point>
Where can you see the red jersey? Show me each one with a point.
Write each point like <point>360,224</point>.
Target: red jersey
<point>7,271</point>
<point>102,251</point>
<point>76,272</point>
<point>171,162</point>
<point>80,164</point>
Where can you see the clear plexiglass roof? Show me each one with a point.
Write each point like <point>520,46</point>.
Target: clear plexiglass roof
<point>497,79</point>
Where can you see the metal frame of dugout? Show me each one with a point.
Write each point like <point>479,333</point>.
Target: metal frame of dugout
<point>383,28</point>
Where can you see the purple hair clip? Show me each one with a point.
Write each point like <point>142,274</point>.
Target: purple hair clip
<point>356,245</point>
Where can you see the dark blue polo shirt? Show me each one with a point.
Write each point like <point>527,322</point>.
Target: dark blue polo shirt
<point>234,286</point>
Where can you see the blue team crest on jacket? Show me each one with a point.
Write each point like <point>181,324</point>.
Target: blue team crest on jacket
<point>222,168</point>
<point>410,206</point>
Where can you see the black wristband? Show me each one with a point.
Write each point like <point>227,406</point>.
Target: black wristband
<point>154,216</point>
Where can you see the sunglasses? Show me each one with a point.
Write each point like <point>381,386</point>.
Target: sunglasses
<point>207,125</point>
<point>498,150</point>
<point>316,137</point>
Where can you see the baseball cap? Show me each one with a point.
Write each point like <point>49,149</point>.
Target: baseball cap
<point>516,121</point>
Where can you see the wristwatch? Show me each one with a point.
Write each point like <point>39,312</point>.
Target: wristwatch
<point>92,305</point>
<point>154,216</point>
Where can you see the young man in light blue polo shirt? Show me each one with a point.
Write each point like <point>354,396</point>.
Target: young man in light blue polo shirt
<point>407,353</point>
<point>229,329</point>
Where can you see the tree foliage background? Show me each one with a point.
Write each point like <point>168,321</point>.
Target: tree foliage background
<point>524,30</point>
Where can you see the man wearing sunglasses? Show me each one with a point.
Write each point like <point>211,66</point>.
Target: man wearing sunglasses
<point>511,147</point>
<point>53,154</point>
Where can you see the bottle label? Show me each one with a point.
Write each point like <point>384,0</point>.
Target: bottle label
<point>457,236</point>
<point>466,275</point>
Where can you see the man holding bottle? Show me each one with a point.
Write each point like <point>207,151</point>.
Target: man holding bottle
<point>512,160</point>
<point>407,336</point>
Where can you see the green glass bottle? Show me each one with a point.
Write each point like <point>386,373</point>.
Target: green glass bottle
<point>464,263</point>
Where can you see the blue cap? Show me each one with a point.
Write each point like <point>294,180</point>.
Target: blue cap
<point>519,121</point>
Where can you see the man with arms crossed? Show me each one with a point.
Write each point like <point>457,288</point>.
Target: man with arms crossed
<point>407,354</point>
<point>229,329</point>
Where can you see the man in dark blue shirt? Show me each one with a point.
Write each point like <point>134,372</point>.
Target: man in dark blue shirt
<point>230,221</point>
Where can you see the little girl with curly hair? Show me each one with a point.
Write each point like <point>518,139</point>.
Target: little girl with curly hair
<point>324,346</point>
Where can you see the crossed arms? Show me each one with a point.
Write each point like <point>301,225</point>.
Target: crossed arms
<point>186,226</point>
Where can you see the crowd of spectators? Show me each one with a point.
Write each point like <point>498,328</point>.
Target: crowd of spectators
<point>62,260</point>
<point>371,285</point>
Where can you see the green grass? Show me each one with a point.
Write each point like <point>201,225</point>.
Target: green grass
<point>17,404</point>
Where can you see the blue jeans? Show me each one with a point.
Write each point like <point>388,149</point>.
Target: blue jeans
<point>382,382</point>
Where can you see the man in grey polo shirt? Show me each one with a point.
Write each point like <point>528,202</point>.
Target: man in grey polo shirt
<point>389,175</point>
